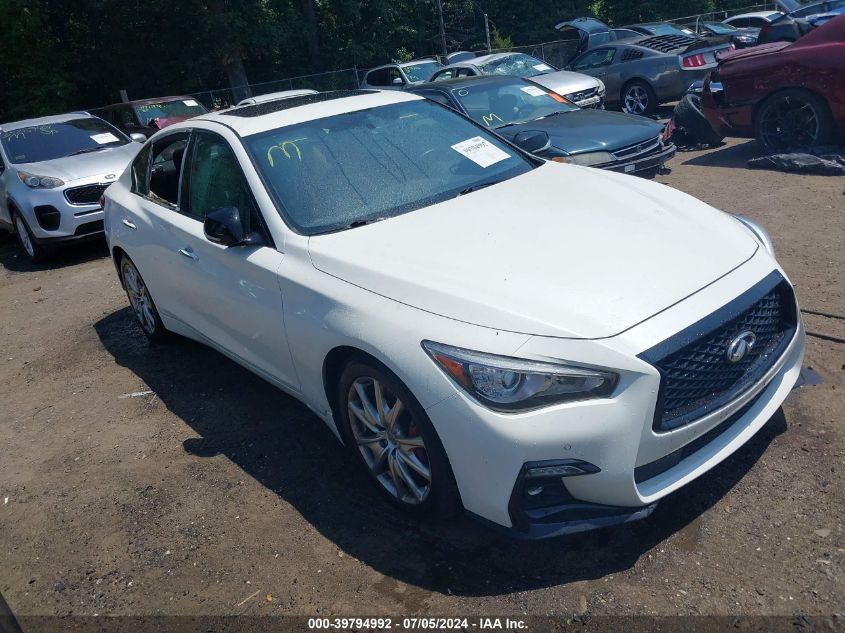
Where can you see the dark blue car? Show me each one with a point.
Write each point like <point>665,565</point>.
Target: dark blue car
<point>519,109</point>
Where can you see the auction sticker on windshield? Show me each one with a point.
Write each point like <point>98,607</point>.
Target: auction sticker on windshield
<point>189,102</point>
<point>542,67</point>
<point>105,137</point>
<point>480,151</point>
<point>534,91</point>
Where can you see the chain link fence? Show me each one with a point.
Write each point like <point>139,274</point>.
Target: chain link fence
<point>344,79</point>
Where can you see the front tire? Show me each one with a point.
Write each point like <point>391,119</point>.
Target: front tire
<point>141,301</point>
<point>391,436</point>
<point>638,97</point>
<point>793,119</point>
<point>33,250</point>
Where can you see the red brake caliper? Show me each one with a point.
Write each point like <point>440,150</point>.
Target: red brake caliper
<point>413,431</point>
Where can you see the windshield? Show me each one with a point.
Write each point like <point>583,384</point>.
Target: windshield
<point>421,72</point>
<point>499,104</point>
<point>331,173</point>
<point>517,65</point>
<point>183,108</point>
<point>668,29</point>
<point>720,29</point>
<point>58,140</point>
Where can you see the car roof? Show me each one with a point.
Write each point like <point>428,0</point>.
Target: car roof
<point>270,96</point>
<point>45,120</point>
<point>415,62</point>
<point>754,14</point>
<point>590,25</point>
<point>270,115</point>
<point>149,101</point>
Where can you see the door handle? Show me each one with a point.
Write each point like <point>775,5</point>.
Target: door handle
<point>129,223</point>
<point>187,252</point>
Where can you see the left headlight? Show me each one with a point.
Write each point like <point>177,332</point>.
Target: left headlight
<point>589,159</point>
<point>39,182</point>
<point>602,88</point>
<point>760,233</point>
<point>513,384</point>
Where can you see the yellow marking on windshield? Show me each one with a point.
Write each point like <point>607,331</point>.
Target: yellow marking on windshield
<point>489,118</point>
<point>283,148</point>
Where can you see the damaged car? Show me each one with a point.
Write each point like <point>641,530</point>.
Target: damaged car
<point>148,116</point>
<point>787,95</point>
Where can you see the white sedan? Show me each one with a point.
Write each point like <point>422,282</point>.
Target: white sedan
<point>550,347</point>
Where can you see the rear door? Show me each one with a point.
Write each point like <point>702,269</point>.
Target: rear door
<point>4,209</point>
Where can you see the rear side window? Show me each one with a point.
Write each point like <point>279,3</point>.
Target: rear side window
<point>166,169</point>
<point>141,171</point>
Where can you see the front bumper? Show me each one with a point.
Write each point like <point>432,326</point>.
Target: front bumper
<point>728,120</point>
<point>53,218</point>
<point>637,465</point>
<point>647,165</point>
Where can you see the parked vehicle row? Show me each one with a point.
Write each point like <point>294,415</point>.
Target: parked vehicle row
<point>527,354</point>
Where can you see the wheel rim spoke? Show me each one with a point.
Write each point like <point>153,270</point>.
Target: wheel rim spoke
<point>411,460</point>
<point>362,417</point>
<point>367,407</point>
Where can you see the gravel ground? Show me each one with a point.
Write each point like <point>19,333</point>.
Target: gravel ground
<point>209,492</point>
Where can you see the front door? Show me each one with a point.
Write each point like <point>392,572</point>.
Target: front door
<point>234,298</point>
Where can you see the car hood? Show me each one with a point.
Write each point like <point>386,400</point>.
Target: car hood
<point>561,251</point>
<point>590,130</point>
<point>112,160</point>
<point>565,82</point>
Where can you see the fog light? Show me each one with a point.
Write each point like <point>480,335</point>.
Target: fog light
<point>566,468</point>
<point>533,492</point>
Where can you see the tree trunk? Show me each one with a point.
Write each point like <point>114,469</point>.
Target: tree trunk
<point>236,73</point>
<point>309,15</point>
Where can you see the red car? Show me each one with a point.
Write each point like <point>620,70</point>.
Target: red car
<point>787,95</point>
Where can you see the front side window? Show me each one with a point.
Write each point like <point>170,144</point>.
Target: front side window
<point>336,172</point>
<point>216,181</point>
<point>517,65</point>
<point>181,108</point>
<point>58,140</point>
<point>500,104</point>
<point>422,71</point>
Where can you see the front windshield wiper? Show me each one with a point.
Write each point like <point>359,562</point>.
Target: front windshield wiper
<point>553,114</point>
<point>357,223</point>
<point>88,150</point>
<point>481,185</point>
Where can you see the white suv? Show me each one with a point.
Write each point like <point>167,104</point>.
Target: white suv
<point>551,347</point>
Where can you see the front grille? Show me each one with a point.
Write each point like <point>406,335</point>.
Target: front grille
<point>640,149</point>
<point>87,194</point>
<point>696,376</point>
<point>583,94</point>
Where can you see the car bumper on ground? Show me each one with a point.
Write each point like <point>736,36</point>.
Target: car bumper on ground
<point>607,460</point>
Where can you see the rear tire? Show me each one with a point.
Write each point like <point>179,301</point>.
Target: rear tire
<point>141,301</point>
<point>689,116</point>
<point>793,119</point>
<point>638,97</point>
<point>399,447</point>
<point>34,251</point>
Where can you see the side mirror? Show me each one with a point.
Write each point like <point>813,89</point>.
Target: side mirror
<point>138,137</point>
<point>224,226</point>
<point>398,81</point>
<point>533,141</point>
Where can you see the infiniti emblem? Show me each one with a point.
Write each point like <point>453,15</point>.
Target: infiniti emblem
<point>110,176</point>
<point>739,347</point>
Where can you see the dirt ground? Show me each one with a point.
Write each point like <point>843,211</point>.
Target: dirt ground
<point>213,493</point>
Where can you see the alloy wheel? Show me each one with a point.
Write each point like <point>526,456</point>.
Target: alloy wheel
<point>636,100</point>
<point>139,297</point>
<point>23,236</point>
<point>389,440</point>
<point>790,123</point>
